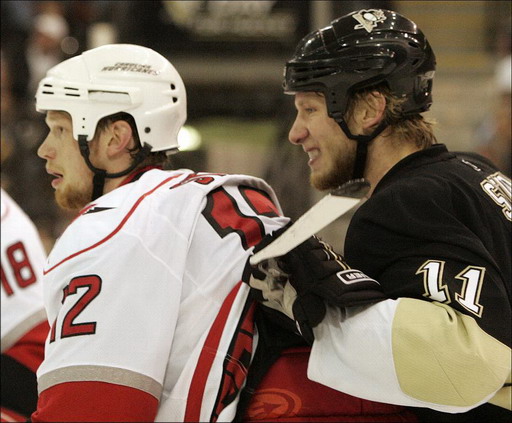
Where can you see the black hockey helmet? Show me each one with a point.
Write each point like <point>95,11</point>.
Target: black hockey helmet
<point>362,49</point>
<point>359,50</point>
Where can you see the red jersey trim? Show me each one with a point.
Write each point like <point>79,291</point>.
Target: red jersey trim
<point>137,173</point>
<point>87,401</point>
<point>29,349</point>
<point>206,358</point>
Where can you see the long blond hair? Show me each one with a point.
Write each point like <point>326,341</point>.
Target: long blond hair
<point>413,128</point>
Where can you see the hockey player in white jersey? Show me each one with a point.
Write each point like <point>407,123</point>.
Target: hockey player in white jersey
<point>149,318</point>
<point>24,324</point>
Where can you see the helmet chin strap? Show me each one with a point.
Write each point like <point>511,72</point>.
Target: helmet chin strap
<point>362,146</point>
<point>100,175</point>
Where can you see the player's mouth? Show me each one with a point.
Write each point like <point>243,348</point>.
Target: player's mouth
<point>313,154</point>
<point>58,178</point>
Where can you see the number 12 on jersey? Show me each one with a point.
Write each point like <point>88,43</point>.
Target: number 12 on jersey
<point>82,290</point>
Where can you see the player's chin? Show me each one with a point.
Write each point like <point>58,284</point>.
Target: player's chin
<point>319,181</point>
<point>324,180</point>
<point>72,199</point>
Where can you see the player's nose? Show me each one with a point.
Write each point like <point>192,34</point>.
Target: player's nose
<point>45,150</point>
<point>298,131</point>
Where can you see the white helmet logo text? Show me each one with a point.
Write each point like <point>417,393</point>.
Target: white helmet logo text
<point>130,67</point>
<point>368,19</point>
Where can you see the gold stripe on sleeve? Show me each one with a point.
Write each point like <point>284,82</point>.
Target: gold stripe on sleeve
<point>442,356</point>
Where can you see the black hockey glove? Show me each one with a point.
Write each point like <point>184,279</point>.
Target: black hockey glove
<point>270,286</point>
<point>314,267</point>
<point>298,283</point>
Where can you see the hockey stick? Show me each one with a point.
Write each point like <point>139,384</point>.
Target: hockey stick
<point>328,209</point>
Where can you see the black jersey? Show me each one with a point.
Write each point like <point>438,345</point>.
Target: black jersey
<point>438,228</point>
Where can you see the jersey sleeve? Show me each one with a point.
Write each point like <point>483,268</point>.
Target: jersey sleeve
<point>113,328</point>
<point>443,342</point>
<point>409,352</point>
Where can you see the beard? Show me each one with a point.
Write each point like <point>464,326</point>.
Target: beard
<point>73,198</point>
<point>338,171</point>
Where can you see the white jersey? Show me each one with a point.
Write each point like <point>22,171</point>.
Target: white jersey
<point>23,258</point>
<point>143,288</point>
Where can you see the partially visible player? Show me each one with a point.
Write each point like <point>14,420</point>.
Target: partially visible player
<point>24,324</point>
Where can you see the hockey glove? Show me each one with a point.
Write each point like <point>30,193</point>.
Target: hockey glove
<point>298,283</point>
<point>316,268</point>
<point>270,286</point>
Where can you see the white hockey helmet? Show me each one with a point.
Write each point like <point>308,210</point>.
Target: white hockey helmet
<point>118,78</point>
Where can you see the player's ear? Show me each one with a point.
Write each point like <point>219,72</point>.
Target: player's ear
<point>374,108</point>
<point>120,137</point>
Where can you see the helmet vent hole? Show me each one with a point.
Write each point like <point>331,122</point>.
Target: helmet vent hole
<point>414,45</point>
<point>71,92</point>
<point>175,99</point>
<point>173,87</point>
<point>147,129</point>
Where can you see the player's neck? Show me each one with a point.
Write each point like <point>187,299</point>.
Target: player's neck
<point>117,163</point>
<point>383,154</point>
<point>112,184</point>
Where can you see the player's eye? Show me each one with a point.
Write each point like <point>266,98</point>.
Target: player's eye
<point>57,131</point>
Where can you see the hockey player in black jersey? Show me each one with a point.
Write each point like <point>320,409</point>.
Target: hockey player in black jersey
<point>435,231</point>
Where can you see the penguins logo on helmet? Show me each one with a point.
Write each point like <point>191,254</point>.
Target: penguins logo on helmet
<point>368,19</point>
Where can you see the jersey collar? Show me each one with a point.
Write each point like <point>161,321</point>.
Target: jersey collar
<point>137,173</point>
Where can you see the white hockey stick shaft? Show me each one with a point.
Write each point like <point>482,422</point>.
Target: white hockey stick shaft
<point>328,209</point>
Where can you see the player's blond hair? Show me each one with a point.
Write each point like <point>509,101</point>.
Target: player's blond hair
<point>414,128</point>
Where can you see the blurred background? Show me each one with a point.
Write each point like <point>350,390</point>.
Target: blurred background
<point>230,55</point>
